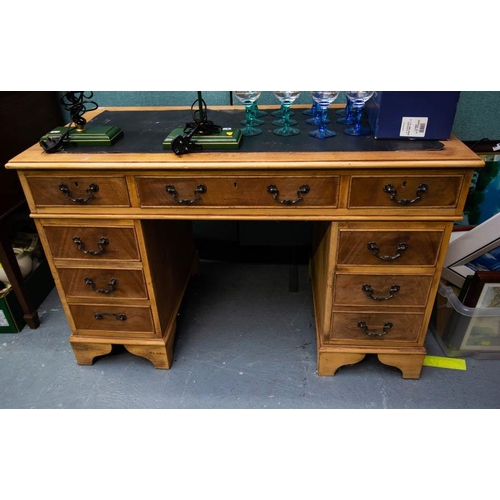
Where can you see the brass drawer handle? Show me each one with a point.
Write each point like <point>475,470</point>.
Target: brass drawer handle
<point>273,189</point>
<point>119,317</point>
<point>387,326</point>
<point>390,189</point>
<point>200,189</point>
<point>102,243</point>
<point>93,188</point>
<point>111,286</point>
<point>369,291</point>
<point>374,249</point>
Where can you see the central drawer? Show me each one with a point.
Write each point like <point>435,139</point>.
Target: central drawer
<point>234,191</point>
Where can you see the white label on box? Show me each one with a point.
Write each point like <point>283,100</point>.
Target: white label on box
<point>412,126</point>
<point>3,319</point>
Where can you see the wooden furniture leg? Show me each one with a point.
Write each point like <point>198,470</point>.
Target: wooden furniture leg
<point>409,364</point>
<point>85,352</point>
<point>330,362</point>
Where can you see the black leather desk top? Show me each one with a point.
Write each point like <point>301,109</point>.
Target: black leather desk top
<point>144,132</point>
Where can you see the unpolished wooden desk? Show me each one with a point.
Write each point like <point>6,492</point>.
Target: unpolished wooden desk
<point>123,253</point>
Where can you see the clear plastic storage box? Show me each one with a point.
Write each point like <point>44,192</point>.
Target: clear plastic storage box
<point>464,331</point>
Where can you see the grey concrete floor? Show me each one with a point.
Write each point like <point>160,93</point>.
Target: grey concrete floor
<point>243,341</point>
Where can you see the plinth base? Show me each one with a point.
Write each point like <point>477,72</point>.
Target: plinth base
<point>159,352</point>
<point>408,359</point>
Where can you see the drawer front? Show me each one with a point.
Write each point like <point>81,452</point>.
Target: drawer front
<point>393,248</point>
<point>93,243</point>
<point>314,191</point>
<point>105,285</point>
<point>381,290</point>
<point>408,192</point>
<point>365,327</point>
<point>112,320</point>
<point>79,191</point>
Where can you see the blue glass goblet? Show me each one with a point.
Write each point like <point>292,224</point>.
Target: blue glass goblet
<point>317,117</point>
<point>358,98</point>
<point>323,98</point>
<point>311,111</point>
<point>349,115</point>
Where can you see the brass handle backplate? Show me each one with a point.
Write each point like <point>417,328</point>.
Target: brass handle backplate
<point>200,189</point>
<point>119,317</point>
<point>387,326</point>
<point>102,243</point>
<point>113,282</point>
<point>273,189</point>
<point>391,190</point>
<point>374,249</point>
<point>93,188</point>
<point>369,291</point>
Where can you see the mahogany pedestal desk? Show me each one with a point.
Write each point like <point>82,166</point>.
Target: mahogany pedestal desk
<point>115,225</point>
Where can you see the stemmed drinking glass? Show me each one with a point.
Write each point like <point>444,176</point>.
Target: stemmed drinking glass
<point>358,98</point>
<point>248,97</point>
<point>342,111</point>
<point>255,116</point>
<point>258,113</point>
<point>348,118</point>
<point>310,111</point>
<point>323,98</point>
<point>316,117</point>
<point>286,98</point>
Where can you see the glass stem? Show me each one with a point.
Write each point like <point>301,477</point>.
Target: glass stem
<point>249,115</point>
<point>318,115</point>
<point>357,125</point>
<point>349,112</point>
<point>253,109</point>
<point>286,117</point>
<point>322,124</point>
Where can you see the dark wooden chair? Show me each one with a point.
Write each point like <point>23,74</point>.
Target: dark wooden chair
<point>24,118</point>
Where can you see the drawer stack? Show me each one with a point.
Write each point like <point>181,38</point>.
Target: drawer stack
<point>382,283</point>
<point>381,276</point>
<point>109,272</point>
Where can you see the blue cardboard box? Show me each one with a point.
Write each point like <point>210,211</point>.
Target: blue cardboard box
<point>412,115</point>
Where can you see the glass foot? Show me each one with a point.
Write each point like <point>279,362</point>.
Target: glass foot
<point>279,123</point>
<point>251,131</point>
<point>346,121</point>
<point>255,121</point>
<point>322,134</point>
<point>279,113</point>
<point>316,121</point>
<point>357,131</point>
<point>286,132</point>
